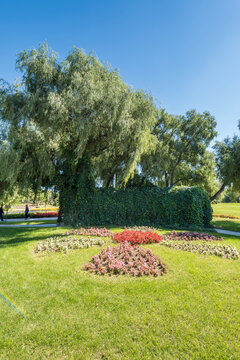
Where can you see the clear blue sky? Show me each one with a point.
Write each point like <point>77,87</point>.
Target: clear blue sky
<point>186,52</point>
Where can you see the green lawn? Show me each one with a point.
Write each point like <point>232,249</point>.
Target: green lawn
<point>226,209</point>
<point>232,225</point>
<point>192,312</point>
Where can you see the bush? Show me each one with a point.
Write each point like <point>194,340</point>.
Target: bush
<point>189,236</point>
<point>225,251</point>
<point>137,237</point>
<point>63,244</point>
<point>186,206</point>
<point>102,232</point>
<point>126,260</point>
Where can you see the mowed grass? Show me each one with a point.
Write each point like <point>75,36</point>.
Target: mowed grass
<point>29,222</point>
<point>226,209</point>
<point>192,312</point>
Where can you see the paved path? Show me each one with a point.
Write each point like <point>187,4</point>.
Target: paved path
<point>227,232</point>
<point>30,226</point>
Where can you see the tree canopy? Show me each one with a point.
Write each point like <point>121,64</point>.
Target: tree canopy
<point>228,163</point>
<point>180,155</point>
<point>63,115</point>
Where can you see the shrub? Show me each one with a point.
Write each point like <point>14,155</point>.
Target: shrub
<point>225,251</point>
<point>178,207</point>
<point>126,260</point>
<point>189,236</point>
<point>102,232</point>
<point>137,237</point>
<point>65,243</point>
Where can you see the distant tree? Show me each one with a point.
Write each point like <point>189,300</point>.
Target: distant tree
<point>64,117</point>
<point>180,155</point>
<point>228,163</point>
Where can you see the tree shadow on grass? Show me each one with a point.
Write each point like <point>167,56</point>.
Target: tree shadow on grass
<point>17,236</point>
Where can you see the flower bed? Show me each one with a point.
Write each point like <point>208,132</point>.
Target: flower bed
<point>44,214</point>
<point>225,251</point>
<point>103,232</point>
<point>126,260</point>
<point>137,237</point>
<point>189,236</point>
<point>65,243</point>
<point>227,216</point>
<point>141,228</point>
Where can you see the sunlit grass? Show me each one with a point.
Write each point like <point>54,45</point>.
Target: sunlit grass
<point>192,312</point>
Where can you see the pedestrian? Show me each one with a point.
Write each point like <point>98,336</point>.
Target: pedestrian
<point>26,212</point>
<point>1,212</point>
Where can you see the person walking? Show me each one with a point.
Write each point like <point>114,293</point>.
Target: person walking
<point>1,212</point>
<point>26,212</point>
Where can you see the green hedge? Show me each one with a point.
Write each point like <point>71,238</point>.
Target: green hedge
<point>178,207</point>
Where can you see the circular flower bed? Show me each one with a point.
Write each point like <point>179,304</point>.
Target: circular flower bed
<point>137,237</point>
<point>65,243</point>
<point>225,251</point>
<point>189,236</point>
<point>93,231</point>
<point>126,260</point>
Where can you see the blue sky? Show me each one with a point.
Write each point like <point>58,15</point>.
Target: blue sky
<point>186,52</point>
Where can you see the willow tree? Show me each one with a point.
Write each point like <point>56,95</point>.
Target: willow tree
<point>63,117</point>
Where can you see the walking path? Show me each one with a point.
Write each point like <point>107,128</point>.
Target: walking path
<point>29,219</point>
<point>227,232</point>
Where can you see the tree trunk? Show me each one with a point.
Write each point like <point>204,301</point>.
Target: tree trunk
<point>222,188</point>
<point>166,179</point>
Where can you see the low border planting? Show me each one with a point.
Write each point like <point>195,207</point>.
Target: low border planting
<point>61,244</point>
<point>189,236</point>
<point>225,251</point>
<point>92,231</point>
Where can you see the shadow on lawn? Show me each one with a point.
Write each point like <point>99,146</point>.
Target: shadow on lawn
<point>17,236</point>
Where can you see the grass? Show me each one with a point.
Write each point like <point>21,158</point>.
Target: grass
<point>226,209</point>
<point>192,312</point>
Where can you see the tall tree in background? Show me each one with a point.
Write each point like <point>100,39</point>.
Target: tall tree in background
<point>64,116</point>
<point>180,151</point>
<point>228,163</point>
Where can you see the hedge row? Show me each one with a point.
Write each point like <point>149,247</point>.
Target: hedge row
<point>152,206</point>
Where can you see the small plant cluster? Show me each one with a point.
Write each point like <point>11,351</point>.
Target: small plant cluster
<point>137,237</point>
<point>227,216</point>
<point>141,228</point>
<point>44,214</point>
<point>93,231</point>
<point>64,243</point>
<point>189,236</point>
<point>126,260</point>
<point>225,251</point>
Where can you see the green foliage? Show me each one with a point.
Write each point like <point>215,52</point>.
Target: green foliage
<point>180,150</point>
<point>140,206</point>
<point>64,114</point>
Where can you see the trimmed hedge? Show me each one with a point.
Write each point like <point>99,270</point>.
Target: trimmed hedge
<point>152,206</point>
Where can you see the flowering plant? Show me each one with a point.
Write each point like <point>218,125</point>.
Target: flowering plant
<point>103,232</point>
<point>226,216</point>
<point>141,228</point>
<point>126,260</point>
<point>189,236</point>
<point>44,214</point>
<point>65,243</point>
<point>225,251</point>
<point>137,237</point>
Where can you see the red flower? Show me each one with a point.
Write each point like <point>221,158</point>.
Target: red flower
<point>137,237</point>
